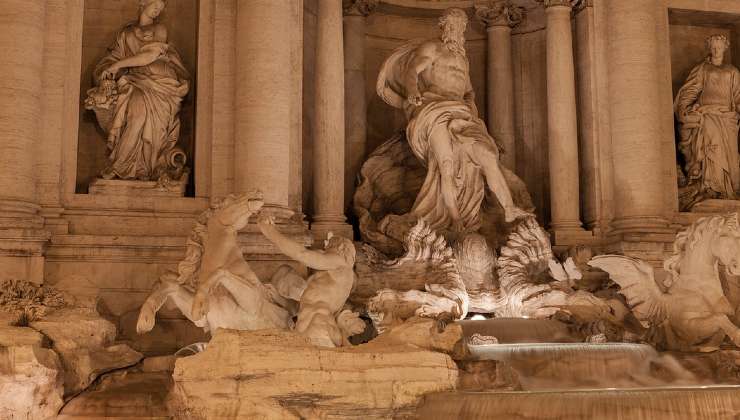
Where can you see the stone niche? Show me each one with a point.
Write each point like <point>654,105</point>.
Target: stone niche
<point>102,21</point>
<point>689,30</point>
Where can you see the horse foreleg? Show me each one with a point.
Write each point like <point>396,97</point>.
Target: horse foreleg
<point>148,311</point>
<point>200,299</point>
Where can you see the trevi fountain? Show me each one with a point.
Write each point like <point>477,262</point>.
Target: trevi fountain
<point>369,209</point>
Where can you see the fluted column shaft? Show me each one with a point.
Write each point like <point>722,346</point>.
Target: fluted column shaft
<point>500,17</point>
<point>562,123</point>
<point>633,57</point>
<point>22,25</point>
<point>266,31</point>
<point>328,134</point>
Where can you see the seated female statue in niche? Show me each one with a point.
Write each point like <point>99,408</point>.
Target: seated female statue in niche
<point>707,107</point>
<point>140,85</point>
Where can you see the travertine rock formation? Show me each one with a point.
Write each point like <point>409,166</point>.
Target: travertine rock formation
<point>85,344</point>
<point>276,374</point>
<point>30,377</point>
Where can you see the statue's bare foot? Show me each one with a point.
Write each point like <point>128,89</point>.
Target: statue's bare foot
<point>107,174</point>
<point>515,213</point>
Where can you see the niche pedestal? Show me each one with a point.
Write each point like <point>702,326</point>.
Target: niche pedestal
<point>173,189</point>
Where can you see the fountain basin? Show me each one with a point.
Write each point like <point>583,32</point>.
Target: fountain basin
<point>674,403</point>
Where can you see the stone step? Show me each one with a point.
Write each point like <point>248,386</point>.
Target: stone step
<point>67,417</point>
<point>706,403</point>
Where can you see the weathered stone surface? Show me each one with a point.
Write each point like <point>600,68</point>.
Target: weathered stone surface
<point>30,382</point>
<point>20,336</point>
<point>84,342</point>
<point>126,394</point>
<point>277,374</point>
<point>424,333</point>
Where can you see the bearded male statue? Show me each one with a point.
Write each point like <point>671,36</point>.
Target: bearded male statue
<point>430,81</point>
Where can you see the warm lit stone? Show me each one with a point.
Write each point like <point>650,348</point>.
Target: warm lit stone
<point>280,375</point>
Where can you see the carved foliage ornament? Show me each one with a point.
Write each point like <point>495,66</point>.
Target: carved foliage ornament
<point>500,13</point>
<point>359,7</point>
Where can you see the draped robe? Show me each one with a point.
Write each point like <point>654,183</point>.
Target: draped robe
<point>707,106</point>
<point>464,128</point>
<point>145,123</point>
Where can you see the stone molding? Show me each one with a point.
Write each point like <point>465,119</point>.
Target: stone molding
<point>359,7</point>
<point>500,13</point>
<point>567,3</point>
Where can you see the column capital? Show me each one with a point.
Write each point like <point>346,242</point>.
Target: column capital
<point>500,13</point>
<point>359,7</point>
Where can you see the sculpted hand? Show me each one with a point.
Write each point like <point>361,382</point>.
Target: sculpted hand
<point>266,223</point>
<point>110,72</point>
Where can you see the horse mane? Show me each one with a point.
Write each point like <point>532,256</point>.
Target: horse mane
<point>189,267</point>
<point>687,239</point>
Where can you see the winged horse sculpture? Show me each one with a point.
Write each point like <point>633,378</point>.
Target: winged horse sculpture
<point>689,311</point>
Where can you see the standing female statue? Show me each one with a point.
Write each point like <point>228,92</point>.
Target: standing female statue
<point>141,83</point>
<point>707,107</point>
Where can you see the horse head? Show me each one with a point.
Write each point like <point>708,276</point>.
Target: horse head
<point>725,246</point>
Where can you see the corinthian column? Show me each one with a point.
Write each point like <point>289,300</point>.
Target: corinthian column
<point>22,24</point>
<point>268,34</point>
<point>355,101</point>
<point>500,16</point>
<point>328,134</point>
<point>635,107</point>
<point>562,123</point>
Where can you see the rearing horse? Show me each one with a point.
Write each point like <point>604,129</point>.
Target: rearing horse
<point>692,312</point>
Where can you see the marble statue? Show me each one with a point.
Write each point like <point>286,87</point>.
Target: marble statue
<point>707,107</point>
<point>423,283</point>
<point>321,315</point>
<point>689,310</point>
<point>139,87</point>
<point>430,81</point>
<point>214,286</point>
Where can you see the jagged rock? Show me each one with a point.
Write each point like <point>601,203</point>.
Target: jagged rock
<point>30,379</point>
<point>279,375</point>
<point>425,334</point>
<point>84,342</point>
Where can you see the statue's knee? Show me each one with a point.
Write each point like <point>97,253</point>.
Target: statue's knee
<point>447,169</point>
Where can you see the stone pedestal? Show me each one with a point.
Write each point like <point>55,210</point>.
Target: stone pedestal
<point>328,175</point>
<point>716,206</point>
<point>562,124</point>
<point>136,188</point>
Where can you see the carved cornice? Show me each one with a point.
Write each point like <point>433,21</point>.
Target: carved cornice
<point>567,3</point>
<point>500,13</point>
<point>359,7</point>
